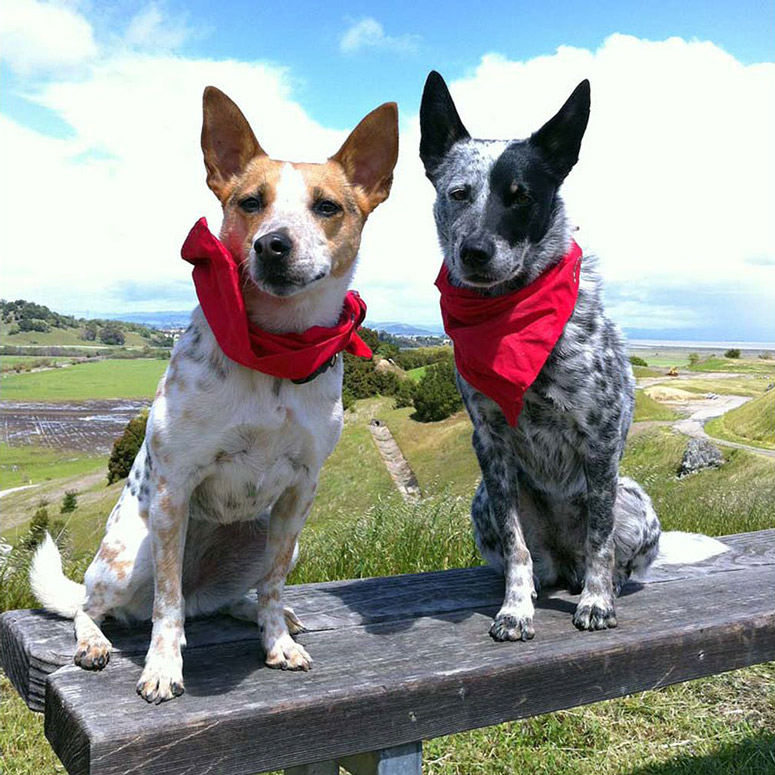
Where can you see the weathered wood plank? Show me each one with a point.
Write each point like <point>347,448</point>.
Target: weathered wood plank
<point>34,644</point>
<point>396,682</point>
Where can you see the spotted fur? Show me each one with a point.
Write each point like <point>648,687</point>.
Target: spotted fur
<point>551,507</point>
<point>226,476</point>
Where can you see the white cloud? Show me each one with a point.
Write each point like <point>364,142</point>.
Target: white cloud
<point>83,219</point>
<point>38,38</point>
<point>150,29</point>
<point>368,33</point>
<point>674,190</point>
<point>675,187</point>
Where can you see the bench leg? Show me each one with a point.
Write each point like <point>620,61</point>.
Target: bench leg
<point>399,760</point>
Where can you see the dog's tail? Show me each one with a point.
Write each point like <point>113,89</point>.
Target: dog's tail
<point>53,590</point>
<point>679,548</point>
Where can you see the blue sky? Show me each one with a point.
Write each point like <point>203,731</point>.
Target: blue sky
<point>100,111</point>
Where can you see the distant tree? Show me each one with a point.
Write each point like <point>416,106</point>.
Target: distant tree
<point>694,359</point>
<point>636,360</point>
<point>111,333</point>
<point>732,352</point>
<point>766,355</point>
<point>126,447</point>
<point>34,324</point>
<point>89,332</point>
<point>69,502</point>
<point>436,396</point>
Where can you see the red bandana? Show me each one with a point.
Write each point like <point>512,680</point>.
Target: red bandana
<point>288,356</point>
<point>502,342</point>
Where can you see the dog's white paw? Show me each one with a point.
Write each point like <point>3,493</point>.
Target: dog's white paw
<point>594,612</point>
<point>513,624</point>
<point>286,654</point>
<point>93,654</point>
<point>161,680</point>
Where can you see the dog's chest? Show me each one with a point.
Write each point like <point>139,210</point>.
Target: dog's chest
<point>256,438</point>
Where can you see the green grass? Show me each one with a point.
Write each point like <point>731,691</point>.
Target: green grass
<point>61,337</point>
<point>113,378</point>
<point>416,374</point>
<point>736,498</point>
<point>752,423</point>
<point>741,365</point>
<point>646,408</point>
<point>30,465</point>
<point>753,385</point>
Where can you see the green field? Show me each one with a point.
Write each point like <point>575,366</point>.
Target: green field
<point>647,408</point>
<point>21,466</point>
<point>742,365</point>
<point>752,423</point>
<point>416,374</point>
<point>136,378</point>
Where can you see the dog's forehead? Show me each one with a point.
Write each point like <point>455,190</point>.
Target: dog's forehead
<point>471,159</point>
<point>285,183</point>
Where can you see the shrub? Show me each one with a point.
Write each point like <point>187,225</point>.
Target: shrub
<point>732,352</point>
<point>34,324</point>
<point>694,359</point>
<point>111,333</point>
<point>436,396</point>
<point>348,399</point>
<point>126,447</point>
<point>69,502</point>
<point>636,360</point>
<point>405,394</point>
<point>766,355</point>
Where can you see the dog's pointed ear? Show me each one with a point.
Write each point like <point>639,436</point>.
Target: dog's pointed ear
<point>559,139</point>
<point>370,153</point>
<point>440,124</point>
<point>228,142</point>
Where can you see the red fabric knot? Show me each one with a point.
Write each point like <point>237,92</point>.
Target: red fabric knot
<point>502,342</point>
<point>288,356</point>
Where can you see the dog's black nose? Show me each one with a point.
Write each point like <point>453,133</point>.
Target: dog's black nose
<point>276,244</point>
<point>476,251</point>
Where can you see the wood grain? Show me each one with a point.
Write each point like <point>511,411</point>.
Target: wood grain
<point>397,660</point>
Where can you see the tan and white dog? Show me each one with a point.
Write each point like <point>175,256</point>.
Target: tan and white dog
<point>224,481</point>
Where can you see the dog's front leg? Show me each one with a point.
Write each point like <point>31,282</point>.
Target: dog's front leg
<point>595,610</point>
<point>285,523</point>
<point>162,678</point>
<point>514,621</point>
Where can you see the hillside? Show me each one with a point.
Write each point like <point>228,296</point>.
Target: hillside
<point>26,324</point>
<point>752,423</point>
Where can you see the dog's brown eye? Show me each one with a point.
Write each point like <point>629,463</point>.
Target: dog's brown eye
<point>459,194</point>
<point>326,208</point>
<point>519,196</point>
<point>250,204</point>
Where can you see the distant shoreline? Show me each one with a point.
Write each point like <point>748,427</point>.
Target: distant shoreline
<point>747,348</point>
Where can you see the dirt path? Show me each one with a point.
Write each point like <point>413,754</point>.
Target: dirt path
<point>698,413</point>
<point>397,465</point>
<point>11,490</point>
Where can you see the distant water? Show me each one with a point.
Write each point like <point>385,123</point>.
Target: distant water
<point>652,344</point>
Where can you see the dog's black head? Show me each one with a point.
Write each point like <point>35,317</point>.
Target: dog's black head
<point>497,208</point>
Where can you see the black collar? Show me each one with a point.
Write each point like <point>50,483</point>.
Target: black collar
<point>329,364</point>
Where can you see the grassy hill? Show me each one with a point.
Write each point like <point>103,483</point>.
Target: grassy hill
<point>27,324</point>
<point>752,423</point>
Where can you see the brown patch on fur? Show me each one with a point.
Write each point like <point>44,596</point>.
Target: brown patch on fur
<point>109,552</point>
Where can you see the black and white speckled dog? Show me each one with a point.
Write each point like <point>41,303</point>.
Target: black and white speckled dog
<point>551,507</point>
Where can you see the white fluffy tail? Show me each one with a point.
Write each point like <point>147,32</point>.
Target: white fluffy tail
<point>53,590</point>
<point>679,548</point>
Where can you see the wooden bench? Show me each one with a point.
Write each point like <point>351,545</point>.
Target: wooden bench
<point>397,660</point>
